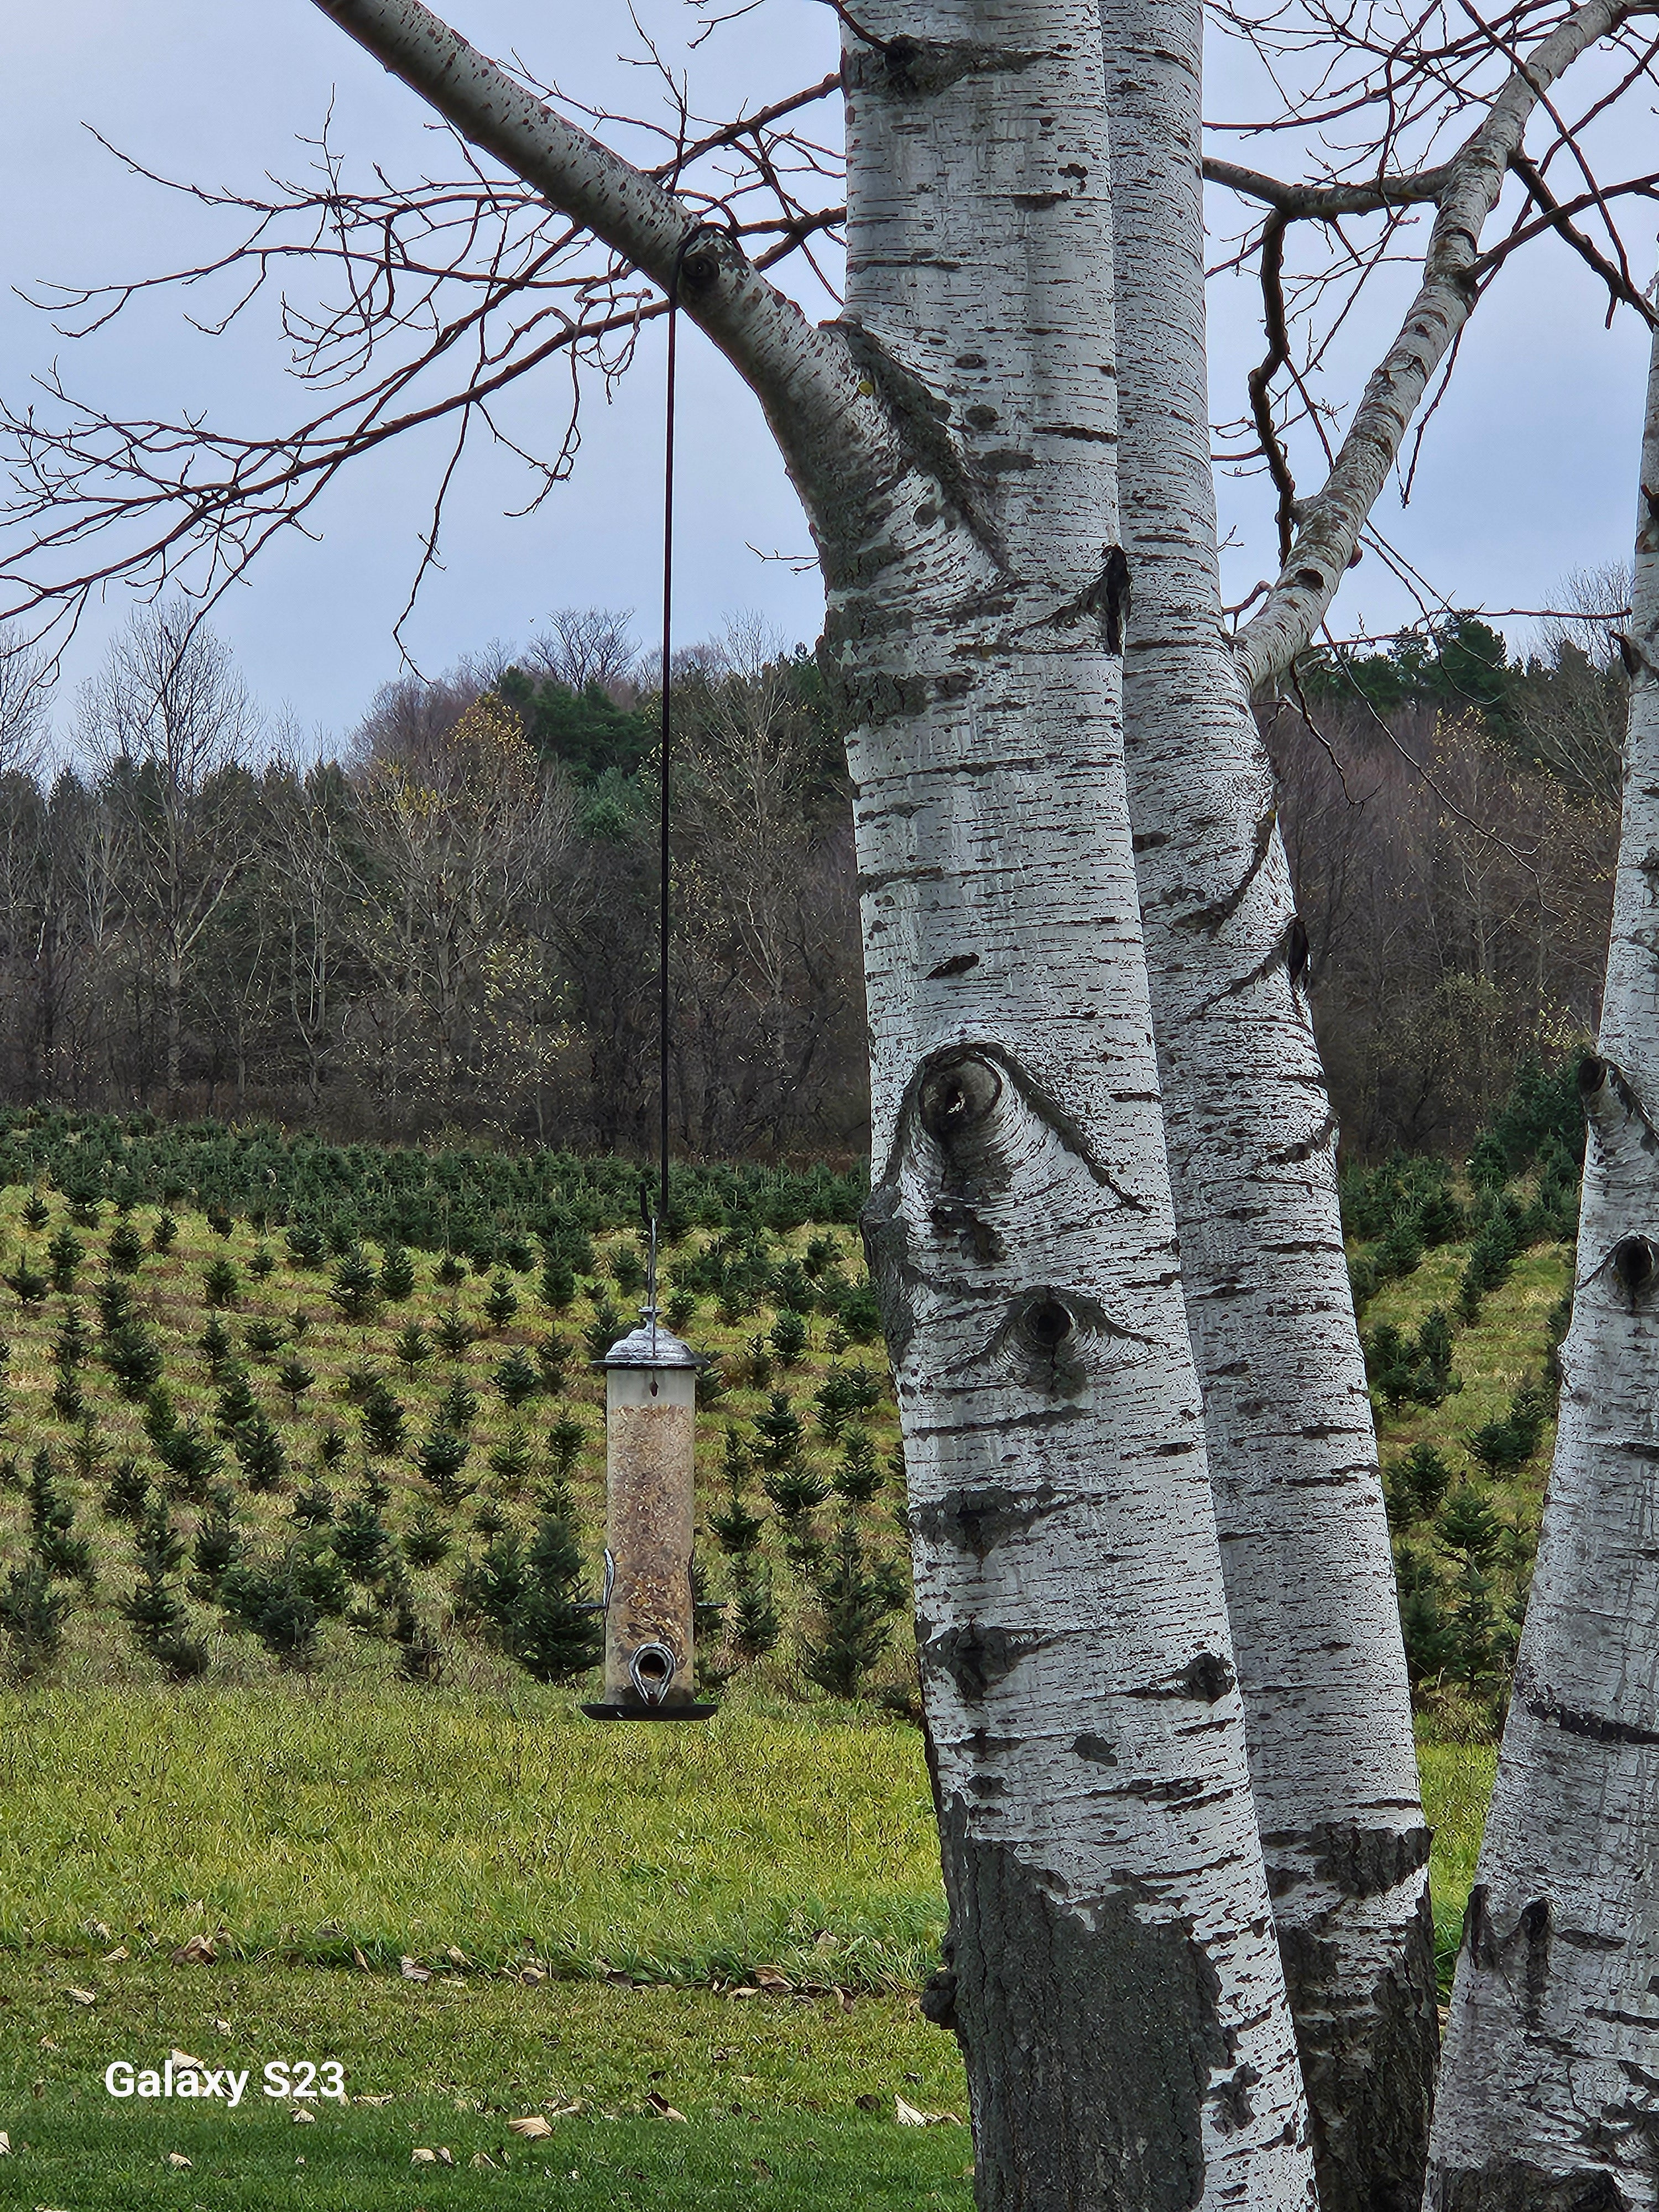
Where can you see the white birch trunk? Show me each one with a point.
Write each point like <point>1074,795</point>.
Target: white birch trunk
<point>1114,1978</point>
<point>1252,1146</point>
<point>1550,2096</point>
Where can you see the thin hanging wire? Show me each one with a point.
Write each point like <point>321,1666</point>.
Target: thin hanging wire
<point>657,1219</point>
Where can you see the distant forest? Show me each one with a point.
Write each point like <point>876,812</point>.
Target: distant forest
<point>451,928</point>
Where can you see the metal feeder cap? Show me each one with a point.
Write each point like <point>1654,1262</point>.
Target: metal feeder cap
<point>646,1347</point>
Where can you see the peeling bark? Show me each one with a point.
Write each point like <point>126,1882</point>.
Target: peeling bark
<point>1252,1146</point>
<point>1550,2098</point>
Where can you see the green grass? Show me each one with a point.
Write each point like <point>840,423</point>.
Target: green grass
<point>1457,1781</point>
<point>313,1817</point>
<point>787,2103</point>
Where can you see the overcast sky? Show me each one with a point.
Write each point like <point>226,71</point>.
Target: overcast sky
<point>1528,472</point>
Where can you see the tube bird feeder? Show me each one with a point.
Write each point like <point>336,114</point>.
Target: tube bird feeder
<point>650,1399</point>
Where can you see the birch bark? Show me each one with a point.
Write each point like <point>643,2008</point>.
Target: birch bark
<point>1252,1147</point>
<point>1114,1978</point>
<point>1550,2096</point>
<point>1095,1814</point>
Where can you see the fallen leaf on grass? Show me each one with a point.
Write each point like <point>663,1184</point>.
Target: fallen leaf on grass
<point>772,1977</point>
<point>532,2127</point>
<point>81,1997</point>
<point>386,2100</point>
<point>457,1958</point>
<point>5,2144</point>
<point>661,2107</point>
<point>481,2161</point>
<point>530,1975</point>
<point>302,2116</point>
<point>97,1927</point>
<point>358,1959</point>
<point>176,2158</point>
<point>198,1951</point>
<point>220,2028</point>
<point>182,2058</point>
<point>744,1990</point>
<point>412,1972</point>
<point>47,2043</point>
<point>909,2116</point>
<point>114,1957</point>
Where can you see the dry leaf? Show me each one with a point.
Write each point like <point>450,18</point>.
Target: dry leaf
<point>5,2144</point>
<point>184,2058</point>
<point>457,1958</point>
<point>444,2157</point>
<point>481,2161</point>
<point>824,1941</point>
<point>81,1997</point>
<point>411,1973</point>
<point>358,1959</point>
<point>386,2100</point>
<point>530,1975</point>
<point>303,2115</point>
<point>421,2156</point>
<point>97,1927</point>
<point>176,2158</point>
<point>532,2127</point>
<point>745,1992</point>
<point>661,2107</point>
<point>198,1952</point>
<point>222,2027</point>
<point>114,1957</point>
<point>907,2116</point>
<point>773,1977</point>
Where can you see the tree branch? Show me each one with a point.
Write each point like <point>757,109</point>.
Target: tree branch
<point>1325,202</point>
<point>804,376</point>
<point>1331,521</point>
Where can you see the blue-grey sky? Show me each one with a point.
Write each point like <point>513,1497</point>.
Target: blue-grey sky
<point>1528,472</point>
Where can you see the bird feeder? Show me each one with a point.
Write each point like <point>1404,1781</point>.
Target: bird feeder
<point>650,1404</point>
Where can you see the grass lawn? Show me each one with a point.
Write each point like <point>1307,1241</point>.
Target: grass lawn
<point>771,2089</point>
<point>594,1883</point>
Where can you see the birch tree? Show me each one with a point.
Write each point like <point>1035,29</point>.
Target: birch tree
<point>1550,2097</point>
<point>1114,1978</point>
<point>953,441</point>
<point>1252,1146</point>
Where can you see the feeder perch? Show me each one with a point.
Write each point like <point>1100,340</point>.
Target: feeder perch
<point>650,1407</point>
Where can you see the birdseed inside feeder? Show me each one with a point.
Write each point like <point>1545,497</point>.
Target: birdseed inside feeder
<point>650,1400</point>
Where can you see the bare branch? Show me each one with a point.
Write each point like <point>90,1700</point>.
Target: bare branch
<point>1327,536</point>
